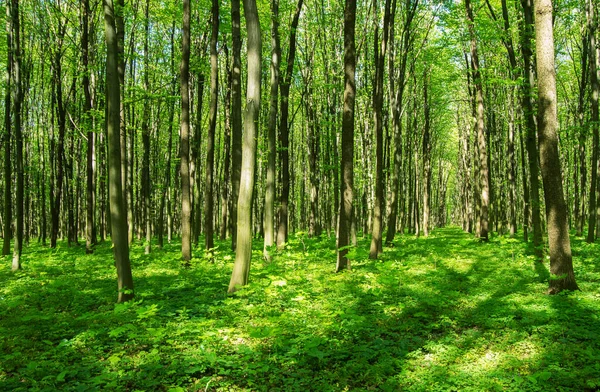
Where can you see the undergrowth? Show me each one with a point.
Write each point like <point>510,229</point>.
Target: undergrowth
<point>444,313</point>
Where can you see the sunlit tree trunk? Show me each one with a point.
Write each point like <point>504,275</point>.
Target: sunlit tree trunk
<point>17,96</point>
<point>243,254</point>
<point>347,165</point>
<point>6,138</point>
<point>269,217</point>
<point>115,188</point>
<point>236,116</point>
<point>186,208</point>
<point>561,263</point>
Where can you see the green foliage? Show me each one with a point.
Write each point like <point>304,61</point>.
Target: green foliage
<point>444,313</point>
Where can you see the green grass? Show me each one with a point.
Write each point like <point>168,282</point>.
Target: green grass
<point>444,313</point>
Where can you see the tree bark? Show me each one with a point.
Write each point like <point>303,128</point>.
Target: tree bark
<point>17,96</point>
<point>90,239</point>
<point>7,138</point>
<point>146,200</point>
<point>117,211</point>
<point>282,231</point>
<point>378,208</point>
<point>269,217</point>
<point>236,117</point>
<point>528,112</point>
<point>347,165</point>
<point>186,208</point>
<point>212,124</point>
<point>481,137</point>
<point>243,254</point>
<point>561,263</point>
<point>594,66</point>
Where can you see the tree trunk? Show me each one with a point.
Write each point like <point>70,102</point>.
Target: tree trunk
<point>594,66</point>
<point>282,232</point>
<point>380,52</point>
<point>117,210</point>
<point>243,254</point>
<point>481,137</point>
<point>561,264</point>
<point>17,96</point>
<point>236,116</point>
<point>347,165</point>
<point>186,208</point>
<point>7,138</point>
<point>210,149</point>
<point>528,112</point>
<point>225,200</point>
<point>146,138</point>
<point>90,239</point>
<point>426,158</point>
<point>269,216</point>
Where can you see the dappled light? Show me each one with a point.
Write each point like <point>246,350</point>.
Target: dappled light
<point>439,313</point>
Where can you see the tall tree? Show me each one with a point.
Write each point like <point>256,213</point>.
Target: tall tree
<point>146,136</point>
<point>526,33</point>
<point>90,239</point>
<point>561,262</point>
<point>479,126</point>
<point>236,114</point>
<point>594,66</point>
<point>426,156</point>
<point>347,165</point>
<point>272,132</point>
<point>118,217</point>
<point>243,253</point>
<point>17,97</point>
<point>380,52</point>
<point>284,131</point>
<point>7,137</point>
<point>212,124</point>
<point>184,148</point>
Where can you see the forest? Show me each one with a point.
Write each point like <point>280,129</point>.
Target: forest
<point>300,195</point>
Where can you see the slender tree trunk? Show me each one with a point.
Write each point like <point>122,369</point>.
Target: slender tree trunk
<point>272,132</point>
<point>594,66</point>
<point>481,137</point>
<point>347,165</point>
<point>512,170</point>
<point>528,112</point>
<point>426,158</point>
<point>243,254</point>
<point>236,116</point>
<point>210,149</point>
<point>117,210</point>
<point>17,96</point>
<point>225,199</point>
<point>7,137</point>
<point>561,264</point>
<point>380,52</point>
<point>90,239</point>
<point>146,200</point>
<point>282,232</point>
<point>186,208</point>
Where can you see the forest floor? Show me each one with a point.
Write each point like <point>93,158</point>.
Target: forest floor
<point>444,313</point>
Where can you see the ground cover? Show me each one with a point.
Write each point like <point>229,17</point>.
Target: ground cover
<point>444,313</point>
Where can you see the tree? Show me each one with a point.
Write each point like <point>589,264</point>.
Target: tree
<point>479,126</point>
<point>243,253</point>
<point>7,137</point>
<point>561,262</point>
<point>90,234</point>
<point>146,200</point>
<point>210,149</point>
<point>347,165</point>
<point>186,207</point>
<point>380,52</point>
<point>17,97</point>
<point>236,114</point>
<point>594,67</point>
<point>272,132</point>
<point>118,217</point>
<point>282,231</point>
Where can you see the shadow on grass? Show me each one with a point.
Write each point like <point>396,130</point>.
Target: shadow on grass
<point>438,313</point>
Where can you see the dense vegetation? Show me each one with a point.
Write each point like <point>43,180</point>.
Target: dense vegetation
<point>435,314</point>
<point>391,187</point>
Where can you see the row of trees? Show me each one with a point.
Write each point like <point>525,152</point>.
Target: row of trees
<point>433,120</point>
